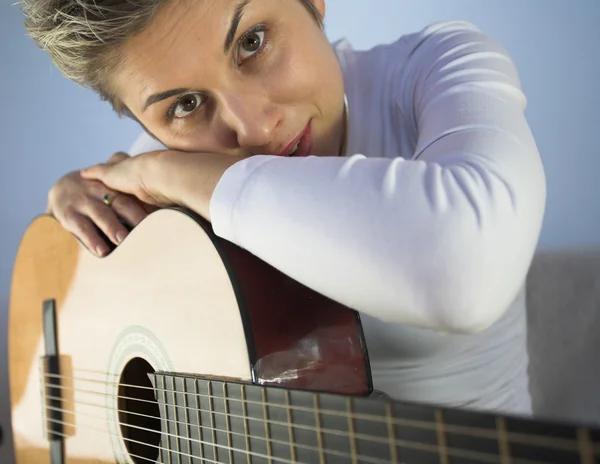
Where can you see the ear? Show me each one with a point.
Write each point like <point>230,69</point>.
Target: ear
<point>320,6</point>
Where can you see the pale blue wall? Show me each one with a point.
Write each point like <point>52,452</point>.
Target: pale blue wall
<point>556,46</point>
<point>49,126</point>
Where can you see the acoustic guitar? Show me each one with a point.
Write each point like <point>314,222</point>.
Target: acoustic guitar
<point>180,347</point>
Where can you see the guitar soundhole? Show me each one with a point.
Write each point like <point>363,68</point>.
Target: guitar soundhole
<point>139,415</point>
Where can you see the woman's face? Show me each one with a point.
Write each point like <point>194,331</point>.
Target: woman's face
<point>238,77</point>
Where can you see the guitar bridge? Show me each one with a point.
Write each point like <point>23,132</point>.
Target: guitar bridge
<point>51,385</point>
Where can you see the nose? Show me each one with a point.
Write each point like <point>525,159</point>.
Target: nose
<point>252,120</point>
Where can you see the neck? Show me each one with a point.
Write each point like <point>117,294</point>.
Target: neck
<point>222,419</point>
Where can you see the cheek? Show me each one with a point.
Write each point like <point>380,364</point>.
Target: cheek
<point>297,75</point>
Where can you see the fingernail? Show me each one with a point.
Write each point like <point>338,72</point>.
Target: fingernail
<point>121,236</point>
<point>101,250</point>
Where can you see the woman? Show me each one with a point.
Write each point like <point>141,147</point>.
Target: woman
<point>402,181</point>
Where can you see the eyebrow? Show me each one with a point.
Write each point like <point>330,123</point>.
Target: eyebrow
<point>157,97</point>
<point>235,22</point>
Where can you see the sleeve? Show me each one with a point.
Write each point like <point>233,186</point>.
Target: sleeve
<point>443,240</point>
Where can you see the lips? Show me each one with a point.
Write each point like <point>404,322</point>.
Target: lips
<point>304,143</point>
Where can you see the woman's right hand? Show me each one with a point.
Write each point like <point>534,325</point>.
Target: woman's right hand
<point>77,204</point>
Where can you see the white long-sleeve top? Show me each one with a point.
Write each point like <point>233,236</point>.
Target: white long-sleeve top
<point>427,226</point>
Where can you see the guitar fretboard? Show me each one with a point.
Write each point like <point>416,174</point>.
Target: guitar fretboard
<point>226,422</point>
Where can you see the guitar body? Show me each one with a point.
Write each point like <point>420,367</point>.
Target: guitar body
<point>171,298</point>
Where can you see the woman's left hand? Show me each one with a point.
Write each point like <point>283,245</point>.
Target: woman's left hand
<point>133,175</point>
<point>166,178</point>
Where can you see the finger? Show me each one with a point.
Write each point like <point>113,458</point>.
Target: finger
<point>96,172</point>
<point>98,190</point>
<point>113,176</point>
<point>129,208</point>
<point>106,220</point>
<point>118,157</point>
<point>83,228</point>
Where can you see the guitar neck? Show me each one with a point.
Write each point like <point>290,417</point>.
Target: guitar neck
<point>228,422</point>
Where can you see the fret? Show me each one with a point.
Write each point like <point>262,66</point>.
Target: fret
<point>176,438</point>
<point>227,423</point>
<point>318,427</point>
<point>290,427</point>
<point>351,432</point>
<point>245,418</point>
<point>391,434</point>
<point>441,436</point>
<point>503,446</point>
<point>541,440</point>
<point>255,424</point>
<point>212,421</point>
<point>199,418</point>
<point>306,440</point>
<point>267,427</point>
<point>166,417</point>
<point>187,422</point>
<point>278,419</point>
<point>459,443</point>
<point>374,432</point>
<point>585,446</point>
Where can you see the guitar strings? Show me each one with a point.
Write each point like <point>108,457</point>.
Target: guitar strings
<point>486,457</point>
<point>132,455</point>
<point>537,440</point>
<point>167,450</point>
<point>476,456</point>
<point>365,459</point>
<point>402,443</point>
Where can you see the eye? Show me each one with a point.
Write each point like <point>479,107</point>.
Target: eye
<point>251,43</point>
<point>186,105</point>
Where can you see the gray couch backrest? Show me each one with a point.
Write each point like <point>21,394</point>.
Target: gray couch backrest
<point>563,300</point>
